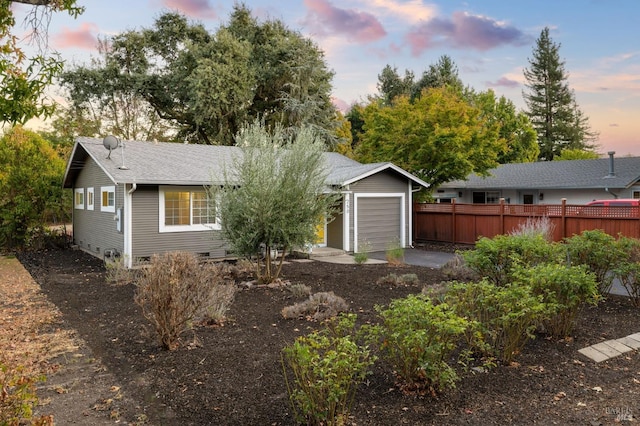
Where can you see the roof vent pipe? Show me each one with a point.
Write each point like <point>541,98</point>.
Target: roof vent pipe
<point>611,170</point>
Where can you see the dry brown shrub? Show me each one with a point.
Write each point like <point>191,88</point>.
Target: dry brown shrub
<point>398,280</point>
<point>318,307</point>
<point>456,269</point>
<point>175,291</point>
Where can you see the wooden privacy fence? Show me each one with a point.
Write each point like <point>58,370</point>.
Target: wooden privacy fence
<point>465,223</point>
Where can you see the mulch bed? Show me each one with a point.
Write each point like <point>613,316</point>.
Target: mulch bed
<point>232,374</point>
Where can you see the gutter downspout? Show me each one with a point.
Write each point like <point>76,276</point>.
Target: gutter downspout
<point>128,229</point>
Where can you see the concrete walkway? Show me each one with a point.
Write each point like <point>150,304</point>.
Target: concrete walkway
<point>611,348</point>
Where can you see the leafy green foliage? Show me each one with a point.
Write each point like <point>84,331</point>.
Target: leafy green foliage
<point>628,271</point>
<point>599,251</point>
<point>362,255</point>
<point>211,84</point>
<point>275,195</point>
<point>30,187</point>
<point>438,137</point>
<point>495,258</point>
<point>552,108</point>
<point>175,290</point>
<point>502,318</point>
<point>324,370</point>
<point>18,397</point>
<point>23,80</point>
<point>417,338</point>
<point>564,289</point>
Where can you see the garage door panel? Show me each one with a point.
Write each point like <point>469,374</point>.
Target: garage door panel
<point>379,221</point>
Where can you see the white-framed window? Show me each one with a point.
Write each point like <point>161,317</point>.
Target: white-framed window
<point>185,209</point>
<point>486,197</point>
<point>636,195</point>
<point>108,199</point>
<point>90,198</point>
<point>78,198</point>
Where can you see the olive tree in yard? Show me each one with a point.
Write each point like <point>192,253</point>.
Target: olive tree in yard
<point>274,196</point>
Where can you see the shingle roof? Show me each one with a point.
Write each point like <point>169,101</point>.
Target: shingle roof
<point>570,174</point>
<point>179,164</point>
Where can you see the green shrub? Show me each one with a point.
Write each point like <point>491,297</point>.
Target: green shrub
<point>502,318</point>
<point>565,289</point>
<point>362,255</point>
<point>599,251</point>
<point>628,271</point>
<point>325,369</point>
<point>397,280</point>
<point>494,258</point>
<point>417,338</point>
<point>175,291</point>
<point>18,397</point>
<point>318,307</point>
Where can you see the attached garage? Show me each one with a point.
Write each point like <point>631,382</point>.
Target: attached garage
<point>379,220</point>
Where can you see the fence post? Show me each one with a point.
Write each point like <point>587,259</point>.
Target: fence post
<point>453,220</point>
<point>563,218</point>
<point>501,216</point>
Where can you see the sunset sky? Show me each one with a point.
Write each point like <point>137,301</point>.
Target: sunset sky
<point>489,40</point>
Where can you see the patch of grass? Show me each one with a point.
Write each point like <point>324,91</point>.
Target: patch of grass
<point>395,253</point>
<point>362,255</point>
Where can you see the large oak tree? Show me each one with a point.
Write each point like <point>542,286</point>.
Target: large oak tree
<point>209,84</point>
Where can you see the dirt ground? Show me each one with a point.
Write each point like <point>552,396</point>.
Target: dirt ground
<point>232,375</point>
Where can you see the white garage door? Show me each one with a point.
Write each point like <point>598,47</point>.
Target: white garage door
<point>378,222</point>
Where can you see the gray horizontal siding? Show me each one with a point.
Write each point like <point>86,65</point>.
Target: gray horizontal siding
<point>147,240</point>
<point>383,183</point>
<point>93,230</point>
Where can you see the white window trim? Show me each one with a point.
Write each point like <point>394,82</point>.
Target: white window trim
<point>162,228</point>
<point>110,209</point>
<point>78,206</point>
<point>90,200</point>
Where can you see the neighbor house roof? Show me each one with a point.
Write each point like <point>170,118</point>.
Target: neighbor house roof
<point>570,174</point>
<point>193,164</point>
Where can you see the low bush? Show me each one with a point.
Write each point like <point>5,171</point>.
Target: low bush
<point>494,258</point>
<point>322,372</point>
<point>175,291</point>
<point>318,307</point>
<point>536,226</point>
<point>362,255</point>
<point>18,397</point>
<point>395,253</point>
<point>628,271</point>
<point>457,269</point>
<point>117,272</point>
<point>564,289</point>
<point>399,280</point>
<point>502,318</point>
<point>600,252</point>
<point>417,338</point>
<point>299,290</point>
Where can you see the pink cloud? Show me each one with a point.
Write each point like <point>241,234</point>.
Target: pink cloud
<point>82,38</point>
<point>340,104</point>
<point>464,31</point>
<point>503,82</point>
<point>197,9</point>
<point>326,19</point>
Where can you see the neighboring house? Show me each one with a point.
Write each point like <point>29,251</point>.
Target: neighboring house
<point>149,197</point>
<point>548,182</point>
